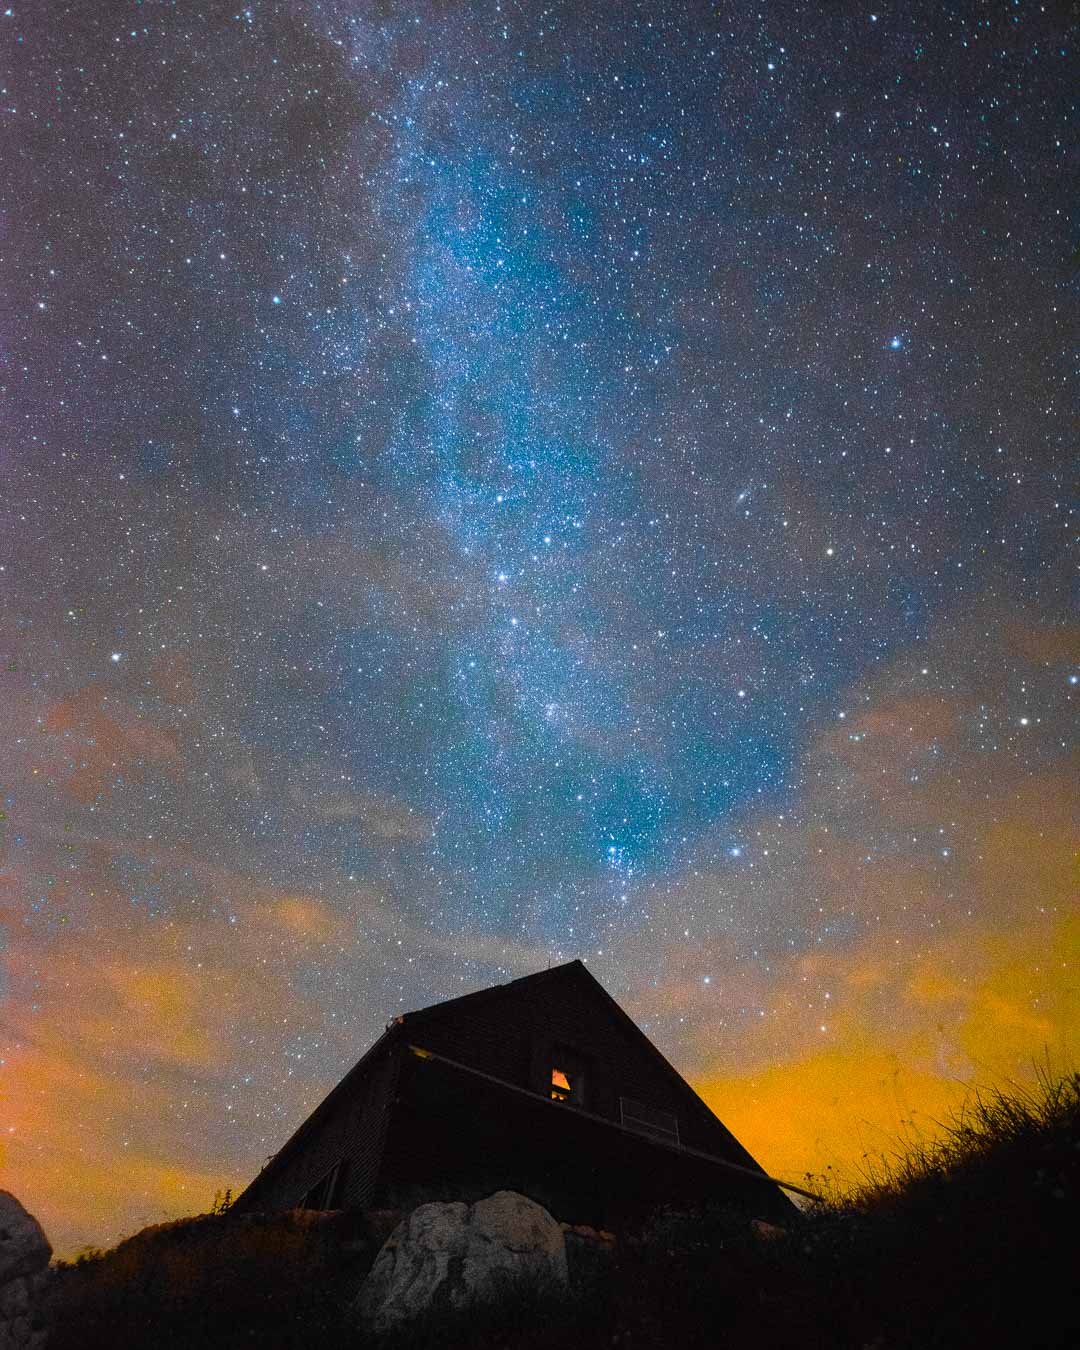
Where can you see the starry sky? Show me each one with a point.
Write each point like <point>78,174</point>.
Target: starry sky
<point>489,482</point>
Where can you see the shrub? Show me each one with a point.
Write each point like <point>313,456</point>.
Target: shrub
<point>213,1281</point>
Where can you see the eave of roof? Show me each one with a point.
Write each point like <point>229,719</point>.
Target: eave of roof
<point>479,996</point>
<point>392,1032</point>
<point>754,1173</point>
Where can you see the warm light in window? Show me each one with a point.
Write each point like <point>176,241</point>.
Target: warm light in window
<point>560,1085</point>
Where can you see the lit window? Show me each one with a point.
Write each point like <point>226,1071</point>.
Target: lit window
<point>561,1091</point>
<point>567,1076</point>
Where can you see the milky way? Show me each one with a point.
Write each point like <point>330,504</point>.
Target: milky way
<point>488,483</point>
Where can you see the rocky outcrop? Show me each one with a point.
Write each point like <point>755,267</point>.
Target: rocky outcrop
<point>24,1258</point>
<point>453,1255</point>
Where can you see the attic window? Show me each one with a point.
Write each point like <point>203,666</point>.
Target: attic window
<point>567,1077</point>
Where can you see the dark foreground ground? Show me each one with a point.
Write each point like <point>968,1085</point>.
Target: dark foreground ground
<point>970,1243</point>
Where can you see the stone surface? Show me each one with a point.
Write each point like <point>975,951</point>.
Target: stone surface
<point>22,1334</point>
<point>24,1258</point>
<point>24,1248</point>
<point>451,1255</point>
<point>14,1298</point>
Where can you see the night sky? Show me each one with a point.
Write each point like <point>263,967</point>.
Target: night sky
<point>484,484</point>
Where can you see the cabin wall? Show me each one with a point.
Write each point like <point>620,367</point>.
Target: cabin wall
<point>365,1150</point>
<point>454,1136</point>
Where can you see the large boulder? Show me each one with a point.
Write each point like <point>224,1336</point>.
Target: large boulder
<point>24,1256</point>
<point>24,1248</point>
<point>453,1255</point>
<point>23,1320</point>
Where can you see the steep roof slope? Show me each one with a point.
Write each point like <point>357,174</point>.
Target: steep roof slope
<point>576,973</point>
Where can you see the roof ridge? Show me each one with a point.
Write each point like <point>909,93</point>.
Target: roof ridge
<point>489,991</point>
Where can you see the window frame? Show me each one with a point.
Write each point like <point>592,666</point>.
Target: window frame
<point>326,1192</point>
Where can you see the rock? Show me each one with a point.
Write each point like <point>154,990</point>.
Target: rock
<point>14,1298</point>
<point>23,1333</point>
<point>451,1255</point>
<point>24,1258</point>
<point>24,1248</point>
<point>768,1232</point>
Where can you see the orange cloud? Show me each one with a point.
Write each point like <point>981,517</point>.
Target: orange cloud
<point>304,917</point>
<point>972,1009</point>
<point>141,1069</point>
<point>93,737</point>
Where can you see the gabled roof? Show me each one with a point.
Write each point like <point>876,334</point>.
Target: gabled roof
<point>389,1036</point>
<point>480,996</point>
<point>407,1026</point>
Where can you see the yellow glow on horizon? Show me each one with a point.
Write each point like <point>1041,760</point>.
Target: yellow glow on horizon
<point>872,1090</point>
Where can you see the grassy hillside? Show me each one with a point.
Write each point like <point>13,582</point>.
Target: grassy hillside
<point>968,1242</point>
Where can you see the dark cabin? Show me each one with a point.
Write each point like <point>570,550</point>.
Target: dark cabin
<point>543,1085</point>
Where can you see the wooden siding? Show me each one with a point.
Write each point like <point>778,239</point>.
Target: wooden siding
<point>489,1034</point>
<point>365,1147</point>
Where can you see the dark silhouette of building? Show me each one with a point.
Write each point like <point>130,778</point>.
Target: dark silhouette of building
<point>543,1085</point>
